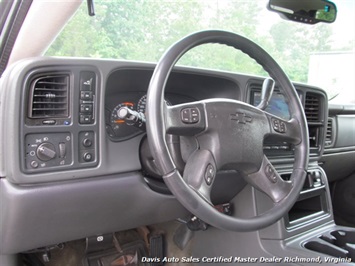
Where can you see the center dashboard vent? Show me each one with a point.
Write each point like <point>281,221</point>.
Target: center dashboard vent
<point>312,107</point>
<point>49,96</point>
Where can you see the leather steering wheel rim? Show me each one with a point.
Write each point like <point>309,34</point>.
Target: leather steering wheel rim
<point>162,119</point>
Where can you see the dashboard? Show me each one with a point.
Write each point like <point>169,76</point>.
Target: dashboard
<point>64,148</point>
<point>68,117</point>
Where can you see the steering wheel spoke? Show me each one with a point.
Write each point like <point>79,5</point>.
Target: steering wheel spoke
<point>268,180</point>
<point>185,119</point>
<point>283,130</point>
<point>200,173</point>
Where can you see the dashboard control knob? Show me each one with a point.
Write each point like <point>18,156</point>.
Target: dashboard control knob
<point>87,142</point>
<point>87,156</point>
<point>34,164</point>
<point>46,151</point>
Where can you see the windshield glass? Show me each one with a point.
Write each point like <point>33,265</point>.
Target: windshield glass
<point>321,54</point>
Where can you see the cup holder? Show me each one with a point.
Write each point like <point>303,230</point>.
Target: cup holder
<point>339,243</point>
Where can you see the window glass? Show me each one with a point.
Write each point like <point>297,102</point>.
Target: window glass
<point>321,54</point>
<point>5,6</point>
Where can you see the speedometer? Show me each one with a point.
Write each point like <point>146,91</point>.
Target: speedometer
<point>142,103</point>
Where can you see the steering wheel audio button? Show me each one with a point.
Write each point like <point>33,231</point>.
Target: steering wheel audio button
<point>190,115</point>
<point>185,115</point>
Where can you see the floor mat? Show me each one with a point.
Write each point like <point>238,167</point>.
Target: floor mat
<point>130,255</point>
<point>75,253</point>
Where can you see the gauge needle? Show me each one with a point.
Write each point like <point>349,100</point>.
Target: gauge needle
<point>119,121</point>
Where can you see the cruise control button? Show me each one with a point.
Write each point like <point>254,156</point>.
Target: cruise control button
<point>268,170</point>
<point>278,125</point>
<point>209,174</point>
<point>270,173</point>
<point>282,127</point>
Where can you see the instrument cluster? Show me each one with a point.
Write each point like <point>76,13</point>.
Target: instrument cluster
<point>119,129</point>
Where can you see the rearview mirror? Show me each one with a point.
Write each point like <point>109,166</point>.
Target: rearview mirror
<point>305,11</point>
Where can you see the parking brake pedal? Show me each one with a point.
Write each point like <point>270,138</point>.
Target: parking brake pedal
<point>185,232</point>
<point>196,224</point>
<point>157,249</point>
<point>99,243</point>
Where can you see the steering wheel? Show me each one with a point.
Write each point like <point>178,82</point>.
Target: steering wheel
<point>229,135</point>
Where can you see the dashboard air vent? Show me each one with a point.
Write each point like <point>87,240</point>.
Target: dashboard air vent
<point>329,133</point>
<point>312,107</point>
<point>49,96</point>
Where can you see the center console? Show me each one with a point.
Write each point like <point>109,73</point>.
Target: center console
<point>307,232</point>
<point>337,243</point>
<point>312,203</point>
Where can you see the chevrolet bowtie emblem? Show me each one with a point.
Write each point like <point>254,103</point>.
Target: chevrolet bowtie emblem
<point>241,118</point>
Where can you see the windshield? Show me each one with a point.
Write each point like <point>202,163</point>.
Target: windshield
<point>321,54</point>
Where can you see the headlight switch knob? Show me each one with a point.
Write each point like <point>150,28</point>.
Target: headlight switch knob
<point>46,151</point>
